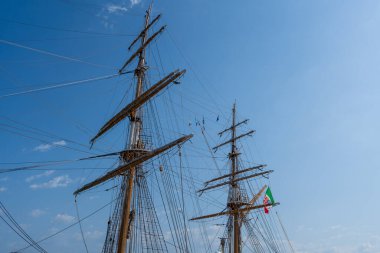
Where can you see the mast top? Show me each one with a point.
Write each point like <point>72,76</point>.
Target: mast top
<point>141,97</point>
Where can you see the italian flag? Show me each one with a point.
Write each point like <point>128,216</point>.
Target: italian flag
<point>268,199</point>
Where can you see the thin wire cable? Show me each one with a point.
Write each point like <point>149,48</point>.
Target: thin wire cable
<point>9,225</point>
<point>286,234</point>
<point>52,163</point>
<point>60,85</point>
<point>80,224</point>
<point>24,235</point>
<point>183,199</point>
<point>53,54</point>
<point>63,29</point>
<point>194,72</point>
<point>70,226</point>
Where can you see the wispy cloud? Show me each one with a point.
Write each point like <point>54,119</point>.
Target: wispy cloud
<point>114,8</point>
<point>335,227</point>
<point>37,213</point>
<point>135,2</point>
<point>111,9</point>
<point>34,177</point>
<point>340,239</point>
<point>366,247</point>
<point>60,181</point>
<point>62,217</point>
<point>48,146</point>
<point>3,189</point>
<point>119,8</point>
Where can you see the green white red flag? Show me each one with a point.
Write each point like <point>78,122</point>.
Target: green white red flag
<point>268,199</point>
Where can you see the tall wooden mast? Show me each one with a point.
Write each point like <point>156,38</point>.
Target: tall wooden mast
<point>134,143</point>
<point>135,153</point>
<point>237,204</point>
<point>234,201</point>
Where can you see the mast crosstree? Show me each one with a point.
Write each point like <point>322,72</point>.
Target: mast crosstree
<point>134,155</point>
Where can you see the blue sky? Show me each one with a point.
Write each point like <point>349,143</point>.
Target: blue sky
<point>304,72</point>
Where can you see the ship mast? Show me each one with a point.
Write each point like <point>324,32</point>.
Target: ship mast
<point>134,143</point>
<point>234,204</point>
<point>135,152</point>
<point>238,205</point>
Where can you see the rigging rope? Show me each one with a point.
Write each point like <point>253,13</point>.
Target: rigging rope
<point>24,235</point>
<point>9,225</point>
<point>63,29</point>
<point>43,133</point>
<point>210,150</point>
<point>167,183</point>
<point>286,234</point>
<point>183,199</point>
<point>70,226</point>
<point>53,54</point>
<point>80,224</point>
<point>56,163</point>
<point>195,73</point>
<point>59,85</point>
<point>43,141</point>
